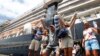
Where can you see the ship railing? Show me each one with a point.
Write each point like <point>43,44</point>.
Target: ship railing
<point>14,44</point>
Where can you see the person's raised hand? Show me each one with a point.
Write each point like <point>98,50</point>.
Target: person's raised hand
<point>75,15</point>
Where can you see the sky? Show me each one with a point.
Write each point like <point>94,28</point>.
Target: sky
<point>11,9</point>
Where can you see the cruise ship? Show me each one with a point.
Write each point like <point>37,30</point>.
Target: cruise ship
<point>16,35</point>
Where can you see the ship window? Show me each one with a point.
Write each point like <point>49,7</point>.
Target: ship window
<point>98,15</point>
<point>8,37</point>
<point>87,17</point>
<point>4,37</point>
<point>21,33</point>
<point>17,34</point>
<point>13,35</point>
<point>93,16</point>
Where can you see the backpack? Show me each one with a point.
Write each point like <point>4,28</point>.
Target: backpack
<point>61,33</point>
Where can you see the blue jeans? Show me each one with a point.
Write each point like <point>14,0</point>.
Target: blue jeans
<point>92,44</point>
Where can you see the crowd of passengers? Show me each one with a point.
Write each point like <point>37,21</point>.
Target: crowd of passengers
<point>56,39</point>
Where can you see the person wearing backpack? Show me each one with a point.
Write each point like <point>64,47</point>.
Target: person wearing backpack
<point>64,35</point>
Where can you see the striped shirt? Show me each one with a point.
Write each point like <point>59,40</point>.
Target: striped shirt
<point>56,22</point>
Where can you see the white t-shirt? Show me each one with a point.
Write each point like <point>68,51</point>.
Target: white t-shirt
<point>89,34</point>
<point>44,38</point>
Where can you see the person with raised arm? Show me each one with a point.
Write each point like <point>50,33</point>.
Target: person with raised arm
<point>66,42</point>
<point>90,41</point>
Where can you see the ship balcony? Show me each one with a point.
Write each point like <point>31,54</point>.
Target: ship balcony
<point>77,5</point>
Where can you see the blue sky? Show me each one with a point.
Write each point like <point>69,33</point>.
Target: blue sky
<point>10,9</point>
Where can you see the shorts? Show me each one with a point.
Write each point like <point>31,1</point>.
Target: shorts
<point>34,45</point>
<point>92,44</point>
<point>66,42</point>
<point>52,49</point>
